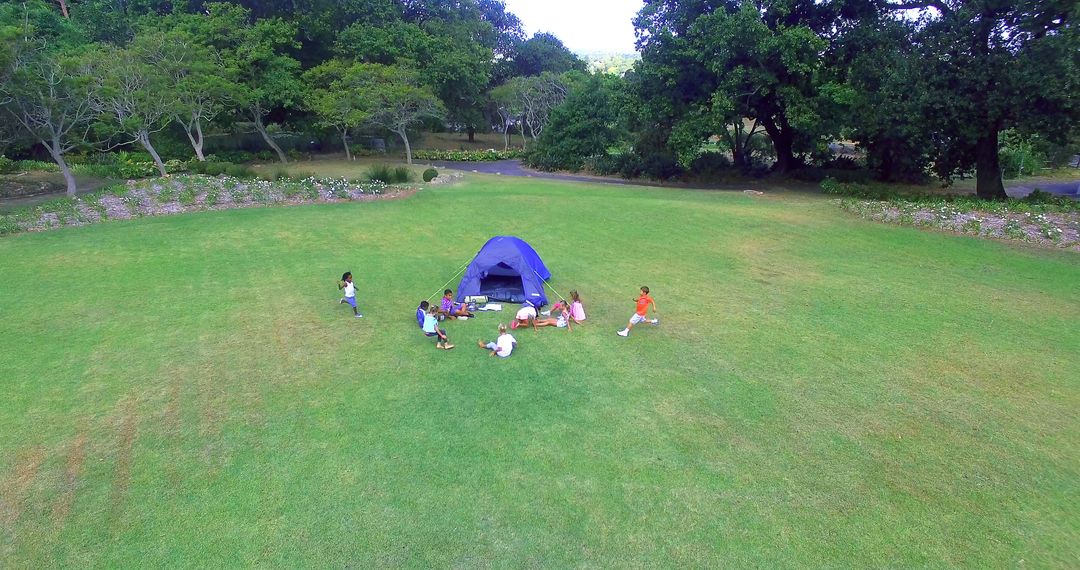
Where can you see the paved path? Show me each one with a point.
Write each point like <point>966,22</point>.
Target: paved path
<point>1014,188</point>
<point>1021,188</point>
<point>516,169</point>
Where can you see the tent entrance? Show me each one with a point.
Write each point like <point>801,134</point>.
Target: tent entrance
<point>504,284</point>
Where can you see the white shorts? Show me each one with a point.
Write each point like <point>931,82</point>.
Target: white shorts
<point>638,319</point>
<point>561,323</point>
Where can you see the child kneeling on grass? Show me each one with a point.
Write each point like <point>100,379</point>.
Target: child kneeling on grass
<point>431,326</point>
<point>503,346</point>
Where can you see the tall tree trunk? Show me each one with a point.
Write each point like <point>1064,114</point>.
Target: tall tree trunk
<point>195,137</point>
<point>988,183</point>
<point>256,114</point>
<point>63,8</point>
<point>408,149</point>
<point>472,133</point>
<point>737,150</point>
<point>506,135</point>
<point>144,139</point>
<point>58,157</point>
<point>345,143</point>
<point>783,143</point>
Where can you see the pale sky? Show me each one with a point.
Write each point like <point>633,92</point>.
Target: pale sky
<point>582,25</point>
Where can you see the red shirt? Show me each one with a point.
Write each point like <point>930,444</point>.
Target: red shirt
<point>643,304</point>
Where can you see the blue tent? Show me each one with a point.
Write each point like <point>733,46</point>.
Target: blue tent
<point>506,269</point>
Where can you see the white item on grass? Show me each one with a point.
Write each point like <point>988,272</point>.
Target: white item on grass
<point>490,307</point>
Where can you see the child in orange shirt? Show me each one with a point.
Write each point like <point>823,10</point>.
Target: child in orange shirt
<point>643,302</point>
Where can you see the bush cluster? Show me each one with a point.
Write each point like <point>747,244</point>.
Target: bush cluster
<point>390,174</point>
<point>240,156</point>
<point>217,168</point>
<point>7,166</point>
<point>468,155</point>
<point>430,174</point>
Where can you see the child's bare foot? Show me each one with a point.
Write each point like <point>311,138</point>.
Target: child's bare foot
<point>448,346</point>
<point>480,343</point>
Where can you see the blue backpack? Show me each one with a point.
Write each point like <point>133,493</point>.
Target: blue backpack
<point>420,317</point>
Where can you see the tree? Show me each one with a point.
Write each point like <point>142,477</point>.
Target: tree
<point>196,75</point>
<point>759,60</point>
<point>545,53</point>
<point>881,64</point>
<point>584,125</point>
<point>132,94</point>
<point>508,106</point>
<point>989,65</point>
<point>267,77</point>
<point>395,99</point>
<point>459,70</point>
<point>539,96</point>
<point>332,95</point>
<point>47,97</point>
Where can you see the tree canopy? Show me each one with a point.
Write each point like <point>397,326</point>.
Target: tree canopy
<point>923,87</point>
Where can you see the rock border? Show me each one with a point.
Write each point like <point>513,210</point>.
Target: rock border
<point>1058,230</point>
<point>192,193</point>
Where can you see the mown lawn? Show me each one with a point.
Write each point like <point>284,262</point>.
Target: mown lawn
<point>822,391</point>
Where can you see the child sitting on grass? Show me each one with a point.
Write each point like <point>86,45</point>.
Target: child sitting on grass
<point>452,310</point>
<point>577,310</point>
<point>562,317</point>
<point>431,328</point>
<point>503,346</point>
<point>643,301</point>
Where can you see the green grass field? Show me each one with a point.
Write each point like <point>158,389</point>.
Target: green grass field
<point>822,391</point>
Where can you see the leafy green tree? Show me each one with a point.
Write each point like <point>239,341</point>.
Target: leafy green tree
<point>267,78</point>
<point>47,96</point>
<point>132,94</point>
<point>586,124</point>
<point>984,66</point>
<point>728,60</point>
<point>394,98</point>
<point>333,95</point>
<point>395,43</point>
<point>459,71</point>
<point>506,101</point>
<point>881,63</point>
<point>545,53</point>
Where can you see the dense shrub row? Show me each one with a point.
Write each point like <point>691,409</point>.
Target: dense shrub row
<point>468,155</point>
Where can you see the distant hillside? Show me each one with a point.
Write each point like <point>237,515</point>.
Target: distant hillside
<point>608,62</point>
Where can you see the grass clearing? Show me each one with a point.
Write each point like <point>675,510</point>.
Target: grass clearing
<point>823,390</point>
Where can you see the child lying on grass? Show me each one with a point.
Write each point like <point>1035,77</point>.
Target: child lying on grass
<point>561,320</point>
